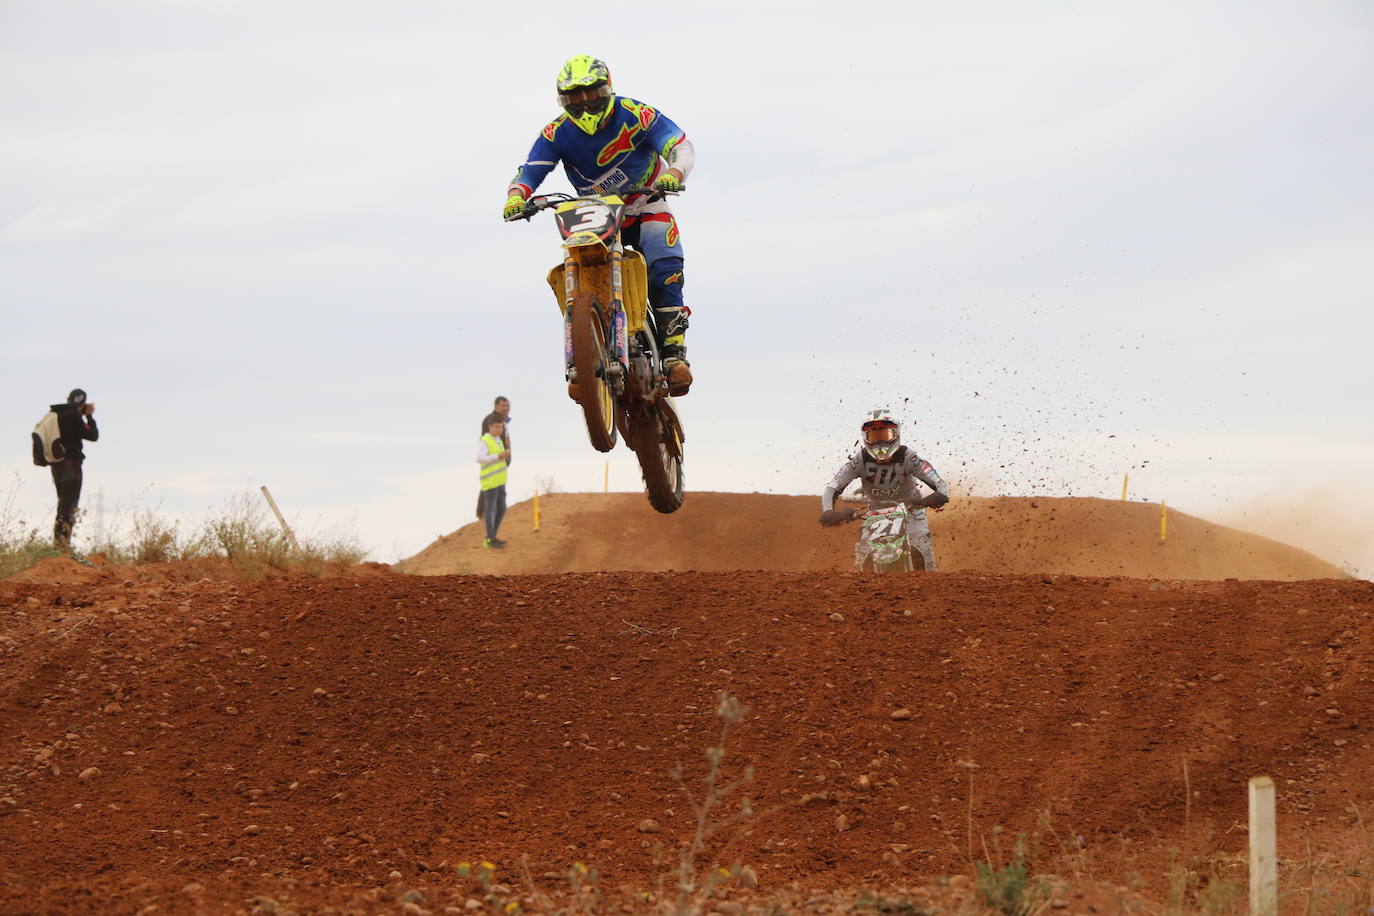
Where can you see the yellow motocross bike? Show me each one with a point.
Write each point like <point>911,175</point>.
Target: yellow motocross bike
<point>610,349</point>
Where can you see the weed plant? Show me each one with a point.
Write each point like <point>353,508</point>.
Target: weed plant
<point>1005,884</point>
<point>241,532</point>
<point>21,544</point>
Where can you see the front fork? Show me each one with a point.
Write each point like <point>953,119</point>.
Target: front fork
<point>618,331</point>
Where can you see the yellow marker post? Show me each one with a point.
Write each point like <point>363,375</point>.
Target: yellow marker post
<point>536,510</point>
<point>1125,479</point>
<point>1163,520</point>
<point>606,479</point>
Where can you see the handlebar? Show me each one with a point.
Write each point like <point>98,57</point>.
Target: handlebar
<point>858,512</point>
<point>553,199</point>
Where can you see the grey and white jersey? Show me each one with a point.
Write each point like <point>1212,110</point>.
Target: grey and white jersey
<point>883,484</point>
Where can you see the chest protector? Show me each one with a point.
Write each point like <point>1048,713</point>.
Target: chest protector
<point>885,480</point>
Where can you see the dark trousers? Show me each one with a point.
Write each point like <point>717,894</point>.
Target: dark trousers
<point>66,477</point>
<point>494,508</point>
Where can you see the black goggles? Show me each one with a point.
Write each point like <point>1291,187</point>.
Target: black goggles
<point>585,100</point>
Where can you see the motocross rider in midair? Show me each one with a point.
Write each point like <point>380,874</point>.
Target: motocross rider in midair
<point>890,473</point>
<point>606,143</point>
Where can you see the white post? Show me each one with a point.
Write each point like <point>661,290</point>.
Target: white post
<point>1264,877</point>
<point>281,518</point>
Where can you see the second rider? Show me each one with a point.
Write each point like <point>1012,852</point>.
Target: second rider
<point>889,472</point>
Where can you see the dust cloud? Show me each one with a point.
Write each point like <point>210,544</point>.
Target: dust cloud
<point>1332,521</point>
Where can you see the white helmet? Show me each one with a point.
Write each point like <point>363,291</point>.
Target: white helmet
<point>882,435</point>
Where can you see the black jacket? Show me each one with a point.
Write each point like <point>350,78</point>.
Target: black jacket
<point>74,429</point>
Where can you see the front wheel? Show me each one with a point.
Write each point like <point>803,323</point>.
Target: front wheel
<point>658,446</point>
<point>902,565</point>
<point>590,362</point>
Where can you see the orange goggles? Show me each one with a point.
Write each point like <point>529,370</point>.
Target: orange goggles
<point>877,434</point>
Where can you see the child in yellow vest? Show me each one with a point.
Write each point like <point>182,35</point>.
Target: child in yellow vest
<point>491,459</point>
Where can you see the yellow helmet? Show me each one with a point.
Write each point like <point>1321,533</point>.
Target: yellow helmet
<point>585,93</point>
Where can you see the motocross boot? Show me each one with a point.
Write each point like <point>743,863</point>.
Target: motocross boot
<point>673,348</point>
<point>677,370</point>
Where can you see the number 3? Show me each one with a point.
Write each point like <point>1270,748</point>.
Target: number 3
<point>593,216</point>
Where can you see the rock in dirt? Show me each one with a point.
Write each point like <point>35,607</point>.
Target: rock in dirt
<point>900,715</point>
<point>648,825</point>
<point>88,774</point>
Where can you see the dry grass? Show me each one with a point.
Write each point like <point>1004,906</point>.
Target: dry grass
<point>242,531</point>
<point>21,544</point>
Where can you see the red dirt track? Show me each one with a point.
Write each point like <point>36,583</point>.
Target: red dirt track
<point>302,739</point>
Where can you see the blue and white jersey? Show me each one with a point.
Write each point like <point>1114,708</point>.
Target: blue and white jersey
<point>635,145</point>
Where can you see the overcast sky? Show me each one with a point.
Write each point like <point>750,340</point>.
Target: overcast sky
<point>1061,240</point>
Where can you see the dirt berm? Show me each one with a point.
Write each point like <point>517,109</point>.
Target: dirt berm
<point>206,747</point>
<point>582,532</point>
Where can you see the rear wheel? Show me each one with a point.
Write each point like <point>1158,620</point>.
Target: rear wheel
<point>659,450</point>
<point>593,388</point>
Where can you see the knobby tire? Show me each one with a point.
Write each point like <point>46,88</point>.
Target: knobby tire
<point>594,392</point>
<point>662,469</point>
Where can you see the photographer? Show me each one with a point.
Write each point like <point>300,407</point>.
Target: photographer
<point>76,420</point>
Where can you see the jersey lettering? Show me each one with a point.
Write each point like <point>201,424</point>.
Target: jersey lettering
<point>884,475</point>
<point>611,181</point>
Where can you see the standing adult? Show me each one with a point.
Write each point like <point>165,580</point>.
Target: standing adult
<point>492,458</point>
<point>76,424</point>
<point>500,407</point>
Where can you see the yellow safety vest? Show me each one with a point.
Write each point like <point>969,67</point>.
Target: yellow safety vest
<point>493,475</point>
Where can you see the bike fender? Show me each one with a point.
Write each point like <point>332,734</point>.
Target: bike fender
<point>668,410</point>
<point>582,240</point>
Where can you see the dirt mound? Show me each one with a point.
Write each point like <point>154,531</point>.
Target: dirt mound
<point>60,571</point>
<point>583,532</point>
<point>199,746</point>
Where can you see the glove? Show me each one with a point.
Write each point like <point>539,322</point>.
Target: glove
<point>515,207</point>
<point>668,182</point>
<point>831,517</point>
<point>935,500</point>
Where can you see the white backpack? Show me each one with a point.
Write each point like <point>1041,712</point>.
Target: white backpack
<point>47,441</point>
